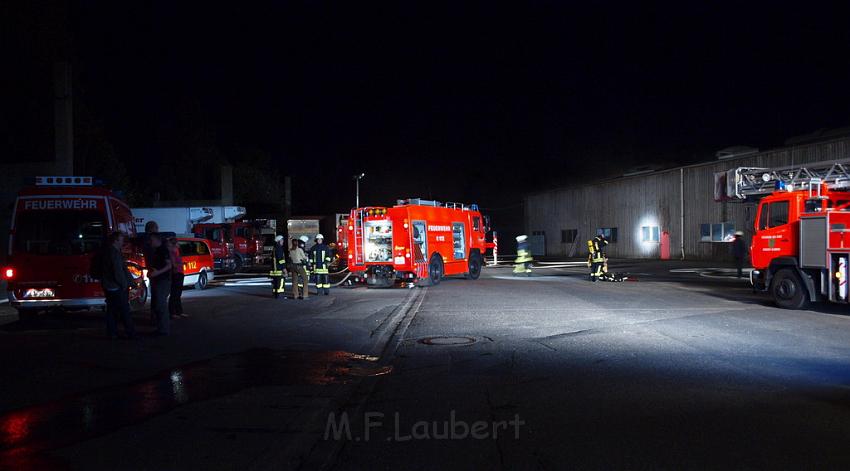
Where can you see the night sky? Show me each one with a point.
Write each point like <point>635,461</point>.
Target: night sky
<point>477,102</point>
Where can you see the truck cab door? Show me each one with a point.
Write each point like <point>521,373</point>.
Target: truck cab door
<point>775,235</point>
<point>419,246</point>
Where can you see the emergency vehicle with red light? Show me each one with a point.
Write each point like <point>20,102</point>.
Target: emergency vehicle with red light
<point>342,235</point>
<point>417,241</point>
<point>236,245</point>
<point>801,246</point>
<point>198,262</point>
<point>58,225</point>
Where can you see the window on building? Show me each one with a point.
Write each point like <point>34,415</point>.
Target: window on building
<point>728,231</point>
<point>610,233</point>
<point>717,232</point>
<point>705,232</point>
<point>649,234</point>
<point>568,236</point>
<point>720,232</point>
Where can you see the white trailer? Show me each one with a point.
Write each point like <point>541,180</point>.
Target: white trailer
<point>177,220</point>
<point>303,227</point>
<point>181,219</point>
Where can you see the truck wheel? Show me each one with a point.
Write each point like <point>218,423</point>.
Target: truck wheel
<point>435,269</point>
<point>139,303</point>
<point>474,269</point>
<point>788,290</point>
<point>202,281</point>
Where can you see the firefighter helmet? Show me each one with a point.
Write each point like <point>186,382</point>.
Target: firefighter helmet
<point>320,236</point>
<point>304,239</point>
<point>278,238</point>
<point>521,238</point>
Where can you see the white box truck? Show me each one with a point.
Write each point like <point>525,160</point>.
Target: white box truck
<point>177,220</point>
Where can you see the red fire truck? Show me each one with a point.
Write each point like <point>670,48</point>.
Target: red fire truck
<point>57,226</point>
<point>236,245</point>
<point>801,246</point>
<point>342,235</point>
<point>416,240</point>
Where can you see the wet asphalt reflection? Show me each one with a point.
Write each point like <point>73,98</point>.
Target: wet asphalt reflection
<point>25,433</point>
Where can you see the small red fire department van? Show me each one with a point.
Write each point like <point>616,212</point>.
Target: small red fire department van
<point>416,240</point>
<point>198,263</point>
<point>57,226</point>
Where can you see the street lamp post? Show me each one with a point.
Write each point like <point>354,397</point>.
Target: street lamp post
<point>357,178</point>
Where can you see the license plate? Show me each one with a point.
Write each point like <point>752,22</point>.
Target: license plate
<point>39,293</point>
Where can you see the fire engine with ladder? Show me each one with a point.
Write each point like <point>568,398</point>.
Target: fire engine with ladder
<point>416,240</point>
<point>801,246</point>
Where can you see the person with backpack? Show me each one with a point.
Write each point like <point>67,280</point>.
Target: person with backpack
<point>116,281</point>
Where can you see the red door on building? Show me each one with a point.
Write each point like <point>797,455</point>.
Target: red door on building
<point>665,245</point>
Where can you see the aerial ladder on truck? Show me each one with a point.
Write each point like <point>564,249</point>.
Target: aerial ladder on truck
<point>801,247</point>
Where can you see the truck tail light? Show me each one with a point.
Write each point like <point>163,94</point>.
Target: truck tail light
<point>8,273</point>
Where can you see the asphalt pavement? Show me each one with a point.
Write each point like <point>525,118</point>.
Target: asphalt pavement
<point>682,366</point>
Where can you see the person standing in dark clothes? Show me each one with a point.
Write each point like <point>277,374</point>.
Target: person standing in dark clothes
<point>739,251</point>
<point>175,299</point>
<point>116,281</point>
<point>321,255</point>
<point>151,227</point>
<point>159,274</point>
<point>278,271</point>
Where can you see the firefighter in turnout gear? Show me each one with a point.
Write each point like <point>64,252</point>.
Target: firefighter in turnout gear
<point>596,258</point>
<point>278,271</point>
<point>321,257</point>
<point>522,265</point>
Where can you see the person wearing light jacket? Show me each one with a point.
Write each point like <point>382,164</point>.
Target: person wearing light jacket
<point>299,271</point>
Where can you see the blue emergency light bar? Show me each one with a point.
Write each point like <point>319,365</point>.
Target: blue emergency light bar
<point>64,181</point>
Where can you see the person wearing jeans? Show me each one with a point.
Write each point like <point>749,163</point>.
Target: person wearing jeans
<point>159,274</point>
<point>116,280</point>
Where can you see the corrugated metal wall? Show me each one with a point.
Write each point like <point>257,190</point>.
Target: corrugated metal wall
<point>630,203</point>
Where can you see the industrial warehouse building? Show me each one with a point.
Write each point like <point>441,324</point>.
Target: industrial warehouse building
<point>668,213</point>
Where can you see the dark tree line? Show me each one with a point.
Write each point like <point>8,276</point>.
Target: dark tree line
<point>187,165</point>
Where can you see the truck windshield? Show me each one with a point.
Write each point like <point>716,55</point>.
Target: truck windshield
<point>59,232</point>
<point>217,234</point>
